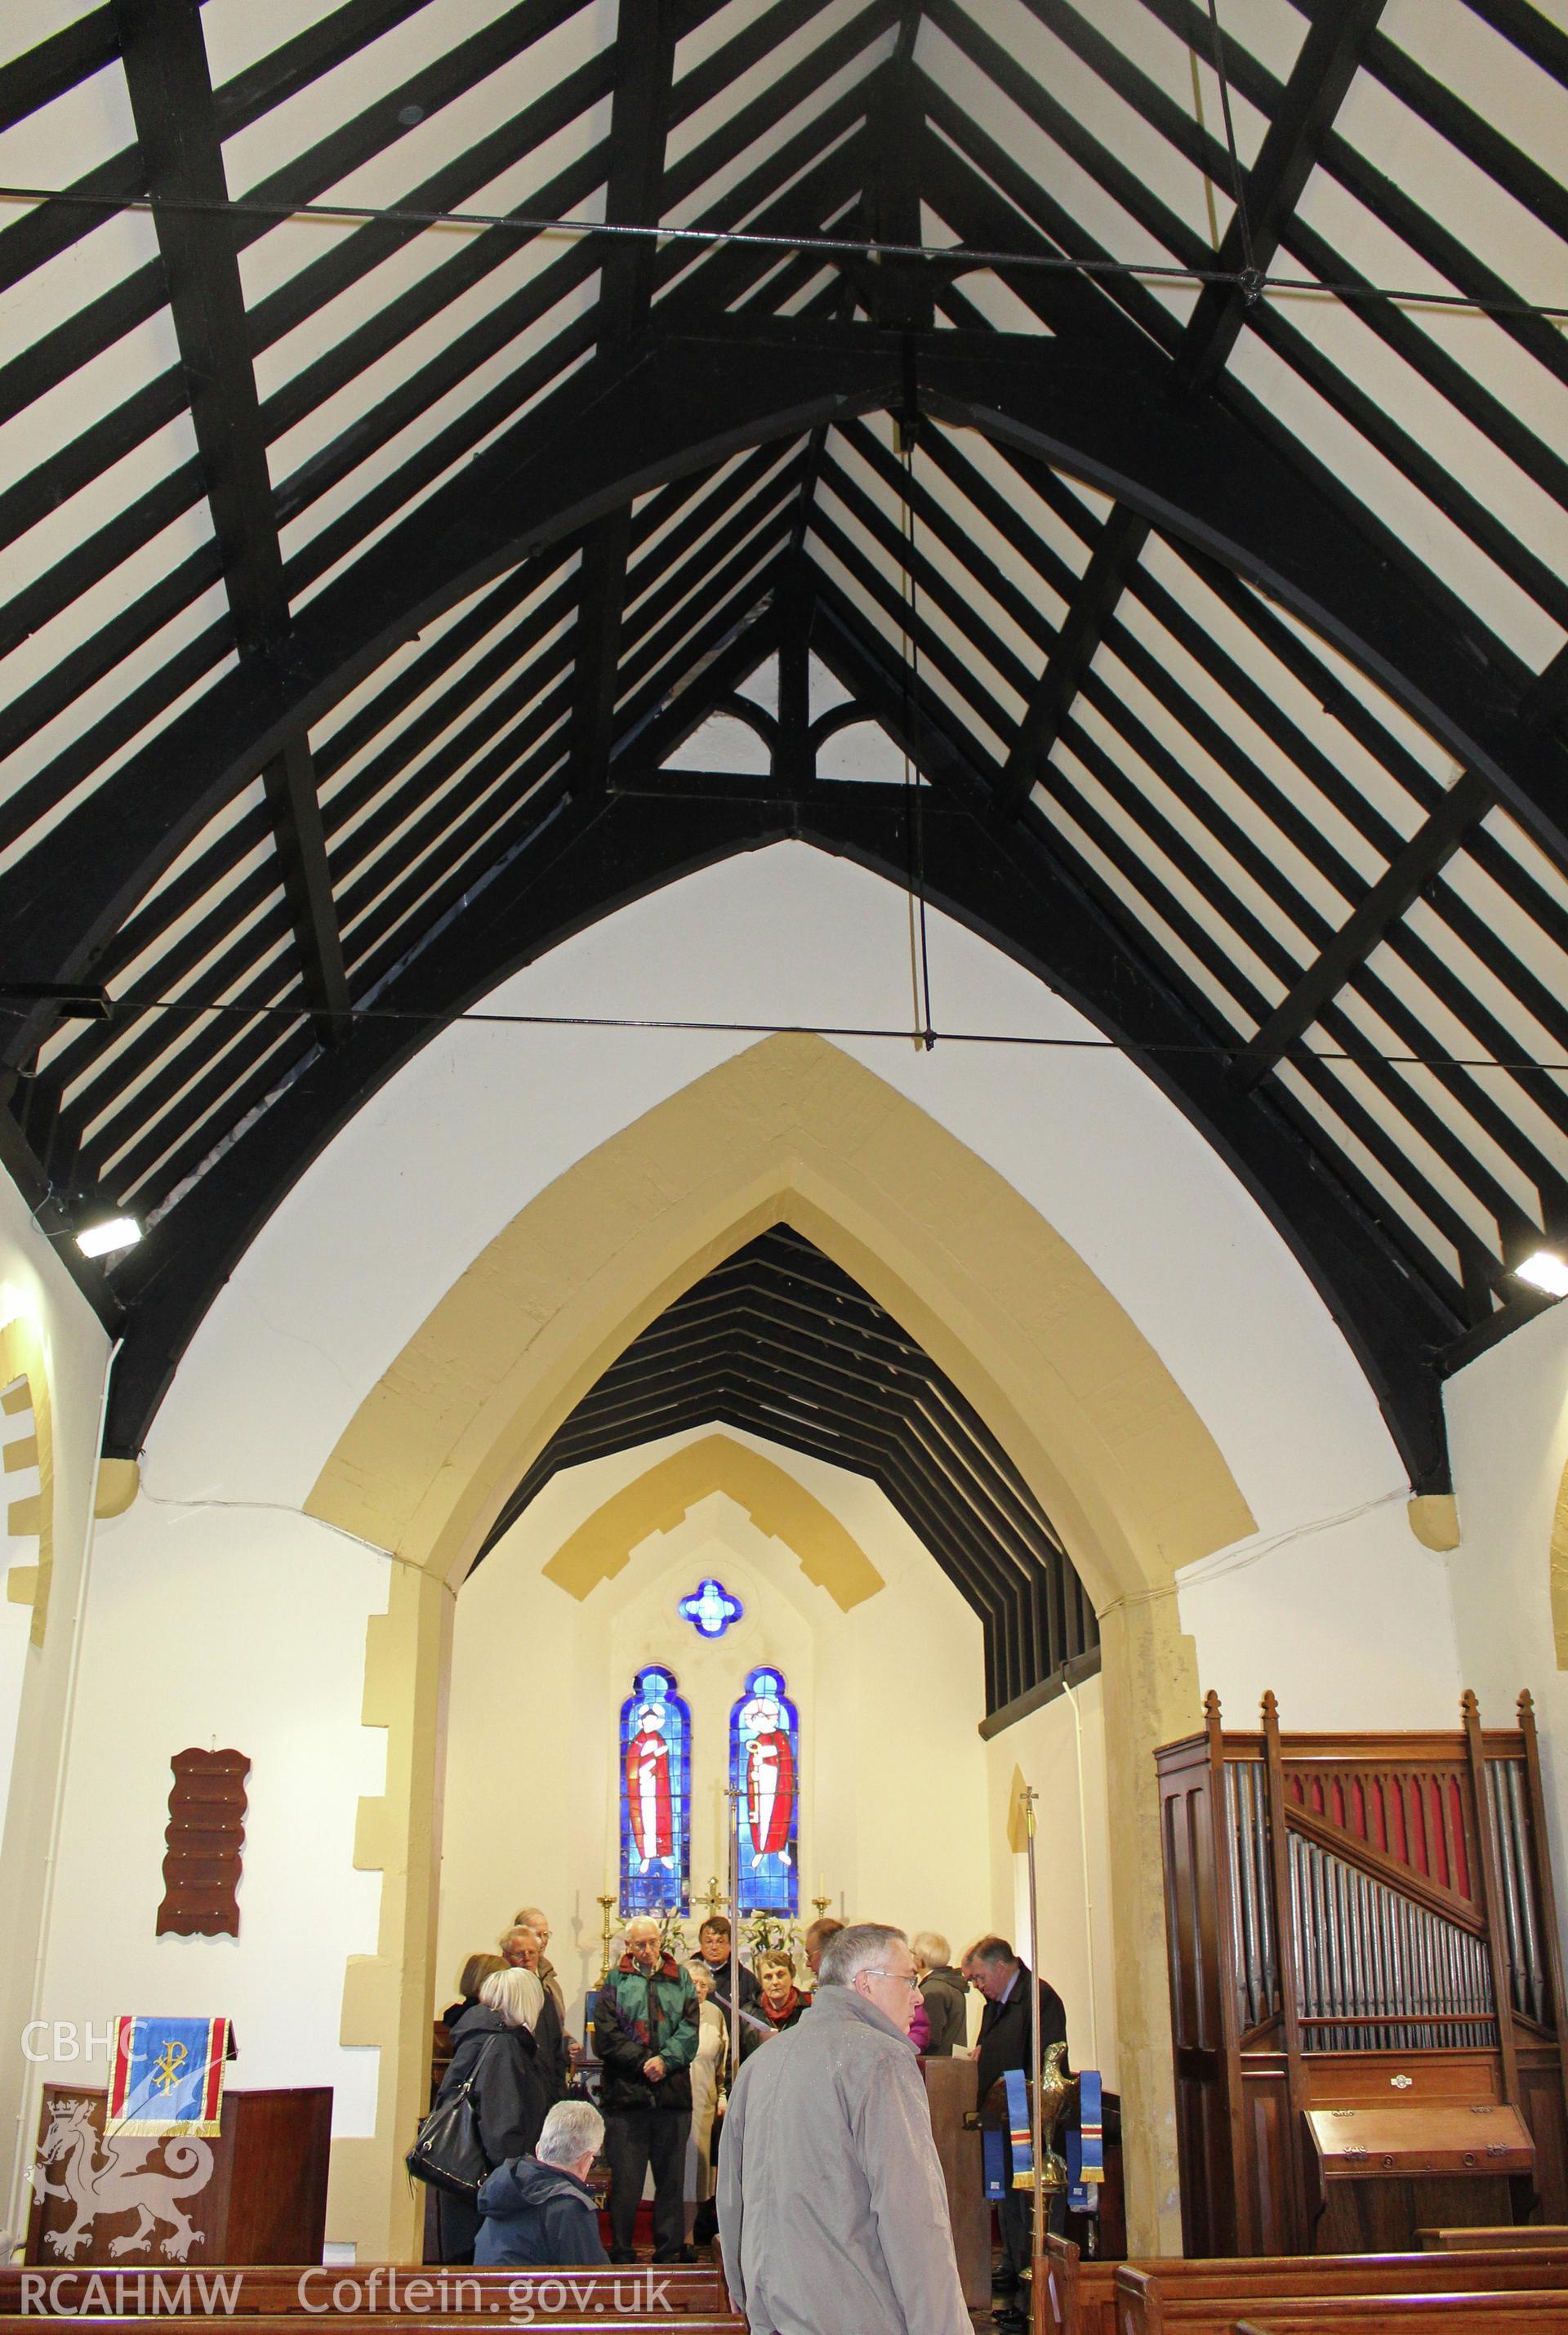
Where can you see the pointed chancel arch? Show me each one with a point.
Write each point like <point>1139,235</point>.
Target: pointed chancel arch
<point>655,1501</point>
<point>1558,1574</point>
<point>790,1131</point>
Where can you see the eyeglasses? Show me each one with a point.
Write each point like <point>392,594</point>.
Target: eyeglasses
<point>911,1979</point>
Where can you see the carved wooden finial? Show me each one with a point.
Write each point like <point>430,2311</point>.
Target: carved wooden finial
<point>1526,1705</point>
<point>1211,1706</point>
<point>1269,1708</point>
<point>1469,1704</point>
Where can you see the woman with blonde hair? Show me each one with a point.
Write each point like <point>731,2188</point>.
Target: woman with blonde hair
<point>497,2055</point>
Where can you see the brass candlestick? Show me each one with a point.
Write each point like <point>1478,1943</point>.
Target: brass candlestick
<point>821,1904</point>
<point>607,1904</point>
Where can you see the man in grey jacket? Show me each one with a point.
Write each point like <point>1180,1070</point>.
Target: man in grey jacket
<point>831,2207</point>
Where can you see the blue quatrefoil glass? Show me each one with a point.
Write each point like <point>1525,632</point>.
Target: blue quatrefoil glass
<point>711,1609</point>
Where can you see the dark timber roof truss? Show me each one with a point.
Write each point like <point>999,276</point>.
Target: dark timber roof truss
<point>366,579</point>
<point>777,1340</point>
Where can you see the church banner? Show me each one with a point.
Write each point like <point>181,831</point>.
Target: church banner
<point>1090,2097</point>
<point>1020,2130</point>
<point>167,2074</point>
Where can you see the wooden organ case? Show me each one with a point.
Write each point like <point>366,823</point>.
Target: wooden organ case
<point>1346,1917</point>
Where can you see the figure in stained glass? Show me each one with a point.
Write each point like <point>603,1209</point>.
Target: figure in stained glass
<point>764,1768</point>
<point>655,1794</point>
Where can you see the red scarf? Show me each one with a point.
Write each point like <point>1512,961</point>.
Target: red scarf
<point>786,2007</point>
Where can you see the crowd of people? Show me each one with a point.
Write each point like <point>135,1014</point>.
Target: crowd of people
<point>662,2038</point>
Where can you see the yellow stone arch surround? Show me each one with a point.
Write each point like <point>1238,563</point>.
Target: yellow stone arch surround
<point>656,1500</point>
<point>25,1378</point>
<point>790,1130</point>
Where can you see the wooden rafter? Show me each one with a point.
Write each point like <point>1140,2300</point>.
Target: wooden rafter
<point>165,64</point>
<point>1320,81</point>
<point>445,402</point>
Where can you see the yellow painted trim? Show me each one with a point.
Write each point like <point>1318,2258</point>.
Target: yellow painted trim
<point>790,1130</point>
<point>1434,1519</point>
<point>1018,1818</point>
<point>1558,1574</point>
<point>22,1585</point>
<point>24,1377</point>
<point>657,1500</point>
<point>119,1482</point>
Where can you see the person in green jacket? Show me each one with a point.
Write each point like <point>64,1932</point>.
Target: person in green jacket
<point>645,2034</point>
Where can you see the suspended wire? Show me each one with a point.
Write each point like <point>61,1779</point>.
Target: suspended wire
<point>1238,188</point>
<point>1251,281</point>
<point>431,1021</point>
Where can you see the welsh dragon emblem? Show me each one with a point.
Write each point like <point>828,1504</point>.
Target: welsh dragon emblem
<point>107,2176</point>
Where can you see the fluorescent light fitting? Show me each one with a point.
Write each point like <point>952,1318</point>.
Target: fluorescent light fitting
<point>1546,1270</point>
<point>118,1233</point>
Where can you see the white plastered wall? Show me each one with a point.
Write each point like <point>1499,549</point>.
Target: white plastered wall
<point>1348,1620</point>
<point>254,1616</point>
<point>218,1628</point>
<point>1508,1434</point>
<point>38,1681</point>
<point>1058,1750</point>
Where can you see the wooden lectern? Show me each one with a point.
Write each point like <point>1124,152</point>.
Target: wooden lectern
<point>255,2194</point>
<point>950,2094</point>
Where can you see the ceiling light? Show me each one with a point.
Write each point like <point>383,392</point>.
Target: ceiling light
<point>1546,1270</point>
<point>118,1233</point>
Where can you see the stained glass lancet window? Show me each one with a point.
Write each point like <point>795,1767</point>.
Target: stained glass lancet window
<point>656,1795</point>
<point>765,1772</point>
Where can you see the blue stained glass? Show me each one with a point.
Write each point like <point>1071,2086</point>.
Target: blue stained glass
<point>656,1795</point>
<point>765,1773</point>
<point>711,1609</point>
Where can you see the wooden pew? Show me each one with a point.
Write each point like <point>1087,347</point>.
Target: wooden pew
<point>1544,2313</point>
<point>1503,2234</point>
<point>1073,2294</point>
<point>296,2290</point>
<point>1207,2297</point>
<point>404,2322</point>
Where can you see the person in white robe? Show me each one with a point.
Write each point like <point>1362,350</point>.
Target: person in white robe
<point>707,2073</point>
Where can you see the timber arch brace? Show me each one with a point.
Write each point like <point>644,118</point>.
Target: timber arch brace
<point>1199,472</point>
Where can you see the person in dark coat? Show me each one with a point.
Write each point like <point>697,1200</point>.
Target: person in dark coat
<point>551,2042</point>
<point>943,1991</point>
<point>995,1971</point>
<point>645,2033</point>
<point>713,1938</point>
<point>539,2209</point>
<point>494,2052</point>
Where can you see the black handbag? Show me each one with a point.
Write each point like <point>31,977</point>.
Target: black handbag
<point>448,2153</point>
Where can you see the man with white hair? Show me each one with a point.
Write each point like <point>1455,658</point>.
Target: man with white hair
<point>540,2208</point>
<point>832,2212</point>
<point>645,2032</point>
<point>534,1917</point>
